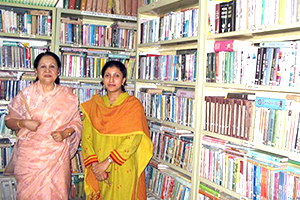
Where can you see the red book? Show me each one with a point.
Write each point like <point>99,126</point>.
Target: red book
<point>71,4</point>
<point>224,45</point>
<point>217,19</point>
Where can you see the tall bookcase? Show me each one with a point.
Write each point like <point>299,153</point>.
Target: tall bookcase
<point>275,22</point>
<point>167,79</point>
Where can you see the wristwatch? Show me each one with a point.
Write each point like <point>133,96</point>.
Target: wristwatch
<point>110,160</point>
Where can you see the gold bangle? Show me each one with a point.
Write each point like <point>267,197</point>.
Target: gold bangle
<point>69,133</point>
<point>18,124</point>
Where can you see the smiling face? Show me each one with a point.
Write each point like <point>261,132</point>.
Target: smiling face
<point>113,80</point>
<point>47,70</point>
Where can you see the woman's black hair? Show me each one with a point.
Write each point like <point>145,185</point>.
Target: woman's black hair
<point>118,65</point>
<point>47,53</point>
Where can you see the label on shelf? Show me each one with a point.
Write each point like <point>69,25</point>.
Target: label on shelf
<point>249,144</point>
<point>125,17</point>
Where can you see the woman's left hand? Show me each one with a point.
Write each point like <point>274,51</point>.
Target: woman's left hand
<point>99,169</point>
<point>58,136</point>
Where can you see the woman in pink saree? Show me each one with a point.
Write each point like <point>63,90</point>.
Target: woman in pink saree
<point>49,131</point>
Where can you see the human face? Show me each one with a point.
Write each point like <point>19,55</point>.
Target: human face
<point>47,70</point>
<point>113,80</point>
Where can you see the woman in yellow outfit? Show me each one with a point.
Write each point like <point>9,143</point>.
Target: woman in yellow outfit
<point>115,141</point>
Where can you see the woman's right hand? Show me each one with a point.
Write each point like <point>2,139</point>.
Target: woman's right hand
<point>30,124</point>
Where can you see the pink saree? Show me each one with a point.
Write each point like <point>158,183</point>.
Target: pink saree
<point>42,166</point>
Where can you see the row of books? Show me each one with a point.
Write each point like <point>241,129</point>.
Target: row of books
<point>49,3</point>
<point>77,165</point>
<point>90,63</point>
<point>167,184</point>
<point>26,22</point>
<point>251,173</point>
<point>230,116</point>
<point>4,131</point>
<point>168,67</point>
<point>172,146</point>
<point>18,55</point>
<point>265,120</point>
<point>239,15</point>
<point>238,62</point>
<point>5,154</point>
<point>119,7</point>
<point>77,187</point>
<point>8,190</point>
<point>168,106</point>
<point>77,32</point>
<point>277,123</point>
<point>174,25</point>
<point>9,89</point>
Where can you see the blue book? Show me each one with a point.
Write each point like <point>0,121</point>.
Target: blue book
<point>271,103</point>
<point>254,182</point>
<point>92,35</point>
<point>271,127</point>
<point>267,156</point>
<point>258,181</point>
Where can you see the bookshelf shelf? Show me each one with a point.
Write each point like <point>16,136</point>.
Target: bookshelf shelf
<point>275,33</point>
<point>191,40</point>
<point>166,6</point>
<point>253,88</point>
<point>291,155</point>
<point>96,47</point>
<point>183,171</point>
<point>168,83</point>
<point>9,69</point>
<point>222,189</point>
<point>98,15</point>
<point>3,102</point>
<point>170,124</point>
<point>78,174</point>
<point>21,36</point>
<point>18,5</point>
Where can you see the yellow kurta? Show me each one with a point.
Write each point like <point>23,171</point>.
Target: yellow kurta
<point>119,130</point>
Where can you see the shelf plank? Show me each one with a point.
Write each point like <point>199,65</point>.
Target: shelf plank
<point>3,102</point>
<point>280,32</point>
<point>170,124</point>
<point>165,6</point>
<point>95,47</point>
<point>193,40</point>
<point>263,88</point>
<point>183,171</point>
<point>222,189</point>
<point>27,6</point>
<point>291,155</point>
<point>23,36</point>
<point>16,69</point>
<point>168,83</point>
<point>99,15</point>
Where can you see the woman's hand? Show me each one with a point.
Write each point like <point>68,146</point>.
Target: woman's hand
<point>30,124</point>
<point>99,169</point>
<point>59,136</point>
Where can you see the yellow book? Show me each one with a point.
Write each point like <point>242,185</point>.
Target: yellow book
<point>282,12</point>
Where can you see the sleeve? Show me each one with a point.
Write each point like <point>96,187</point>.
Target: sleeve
<point>76,124</point>
<point>16,109</point>
<point>88,152</point>
<point>127,148</point>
